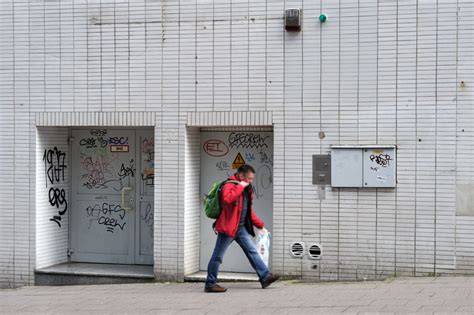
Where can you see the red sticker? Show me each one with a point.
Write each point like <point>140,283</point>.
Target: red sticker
<point>215,148</point>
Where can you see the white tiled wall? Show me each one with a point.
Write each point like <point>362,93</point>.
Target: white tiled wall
<point>376,72</point>
<point>52,237</point>
<point>191,243</point>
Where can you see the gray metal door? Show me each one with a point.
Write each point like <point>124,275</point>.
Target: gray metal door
<point>144,218</point>
<point>221,154</point>
<point>110,172</point>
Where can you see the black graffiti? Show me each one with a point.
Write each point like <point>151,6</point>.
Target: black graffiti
<point>126,171</point>
<point>93,142</point>
<point>54,165</point>
<point>105,208</point>
<point>98,132</point>
<point>148,217</point>
<point>57,198</point>
<point>110,223</point>
<point>114,184</point>
<point>56,219</point>
<point>54,169</point>
<point>247,140</point>
<point>149,179</point>
<point>107,214</point>
<point>381,159</point>
<point>88,143</point>
<point>103,142</point>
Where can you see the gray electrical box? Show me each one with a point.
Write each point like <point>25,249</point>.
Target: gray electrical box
<point>293,19</point>
<point>363,166</point>
<point>322,169</point>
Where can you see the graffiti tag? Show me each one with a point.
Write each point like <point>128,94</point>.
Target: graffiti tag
<point>381,159</point>
<point>215,148</point>
<point>247,140</point>
<point>109,215</point>
<point>54,168</point>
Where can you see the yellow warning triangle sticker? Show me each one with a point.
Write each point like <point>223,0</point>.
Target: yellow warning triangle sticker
<point>238,161</point>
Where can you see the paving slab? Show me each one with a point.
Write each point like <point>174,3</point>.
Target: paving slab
<point>396,295</point>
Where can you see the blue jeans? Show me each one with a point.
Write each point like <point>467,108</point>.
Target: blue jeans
<point>244,239</point>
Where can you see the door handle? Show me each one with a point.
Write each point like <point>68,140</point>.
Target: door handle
<point>124,189</point>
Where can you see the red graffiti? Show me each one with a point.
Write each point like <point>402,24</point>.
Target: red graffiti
<point>215,148</point>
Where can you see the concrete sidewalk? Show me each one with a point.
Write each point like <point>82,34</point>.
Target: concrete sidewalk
<point>401,295</point>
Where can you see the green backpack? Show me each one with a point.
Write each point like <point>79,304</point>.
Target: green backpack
<point>212,206</point>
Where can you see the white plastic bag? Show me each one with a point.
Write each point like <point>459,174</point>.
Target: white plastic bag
<point>262,243</point>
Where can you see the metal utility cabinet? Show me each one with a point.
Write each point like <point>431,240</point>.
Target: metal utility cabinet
<point>363,166</point>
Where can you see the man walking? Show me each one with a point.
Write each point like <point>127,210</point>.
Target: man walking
<point>236,222</point>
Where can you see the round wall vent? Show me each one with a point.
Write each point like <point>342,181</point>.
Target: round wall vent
<point>297,249</point>
<point>314,251</point>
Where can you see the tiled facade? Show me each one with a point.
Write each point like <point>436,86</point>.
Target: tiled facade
<point>376,72</point>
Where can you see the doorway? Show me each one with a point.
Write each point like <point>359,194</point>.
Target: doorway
<point>112,189</point>
<point>222,152</point>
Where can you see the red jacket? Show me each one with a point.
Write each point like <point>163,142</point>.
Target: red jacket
<point>231,209</point>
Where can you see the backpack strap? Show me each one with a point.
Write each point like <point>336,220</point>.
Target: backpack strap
<point>219,196</point>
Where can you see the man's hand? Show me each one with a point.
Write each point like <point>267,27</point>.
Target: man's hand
<point>245,184</point>
<point>262,231</point>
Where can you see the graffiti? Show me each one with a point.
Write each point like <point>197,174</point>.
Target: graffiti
<point>148,217</point>
<point>57,197</point>
<point>215,148</point>
<point>54,165</point>
<point>56,219</point>
<point>148,150</point>
<point>93,146</point>
<point>381,159</point>
<point>98,132</point>
<point>263,180</point>
<point>148,158</point>
<point>96,170</point>
<point>148,176</point>
<point>375,169</point>
<point>92,142</point>
<point>111,223</point>
<point>266,158</point>
<point>117,140</point>
<point>54,168</point>
<point>99,172</point>
<point>223,166</point>
<point>109,215</point>
<point>126,171</point>
<point>88,143</point>
<point>249,157</point>
<point>247,140</point>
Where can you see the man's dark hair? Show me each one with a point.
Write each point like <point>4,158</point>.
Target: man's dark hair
<point>244,169</point>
